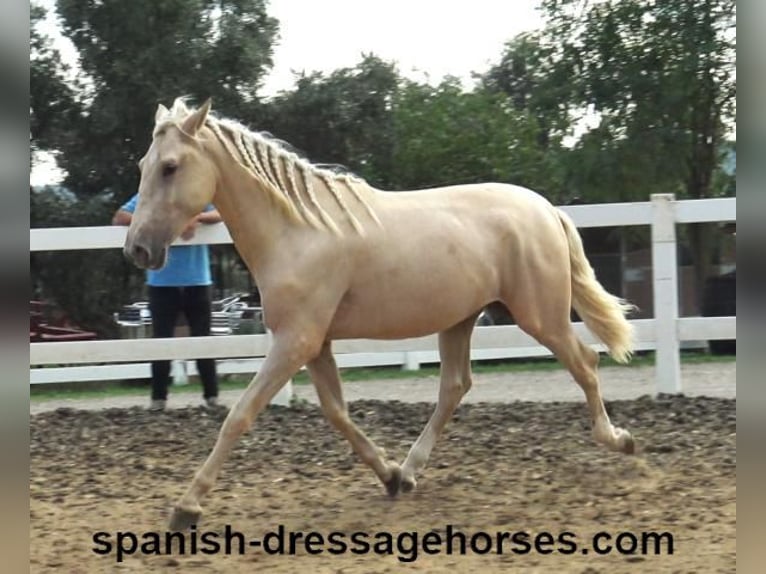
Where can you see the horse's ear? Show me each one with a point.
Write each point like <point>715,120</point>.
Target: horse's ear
<point>161,113</point>
<point>192,124</point>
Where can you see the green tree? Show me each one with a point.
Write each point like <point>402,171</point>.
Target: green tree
<point>446,135</point>
<point>53,102</point>
<point>136,54</point>
<point>402,134</point>
<point>342,118</point>
<point>661,75</point>
<point>527,75</point>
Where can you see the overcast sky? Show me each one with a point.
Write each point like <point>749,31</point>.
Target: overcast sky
<point>426,38</point>
<point>423,36</point>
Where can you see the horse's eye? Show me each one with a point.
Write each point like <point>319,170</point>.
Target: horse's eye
<point>169,169</point>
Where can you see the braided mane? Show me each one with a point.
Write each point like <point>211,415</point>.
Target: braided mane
<point>286,177</point>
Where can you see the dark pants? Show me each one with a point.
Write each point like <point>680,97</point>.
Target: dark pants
<point>165,304</point>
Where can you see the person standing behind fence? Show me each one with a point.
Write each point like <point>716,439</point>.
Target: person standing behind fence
<point>183,285</point>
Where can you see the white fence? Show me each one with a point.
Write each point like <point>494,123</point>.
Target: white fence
<point>128,358</point>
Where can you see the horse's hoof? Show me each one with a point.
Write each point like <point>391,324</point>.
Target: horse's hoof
<point>393,483</point>
<point>629,445</point>
<point>408,484</point>
<point>182,519</point>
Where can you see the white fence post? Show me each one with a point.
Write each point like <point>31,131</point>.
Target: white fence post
<point>411,362</point>
<point>665,271</point>
<point>178,370</point>
<point>285,394</point>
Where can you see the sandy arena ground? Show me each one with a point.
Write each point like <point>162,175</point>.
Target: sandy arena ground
<point>516,457</point>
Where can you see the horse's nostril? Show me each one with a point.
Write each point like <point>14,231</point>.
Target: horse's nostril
<point>139,254</point>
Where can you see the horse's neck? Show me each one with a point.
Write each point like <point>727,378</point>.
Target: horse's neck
<point>252,219</point>
<point>258,224</point>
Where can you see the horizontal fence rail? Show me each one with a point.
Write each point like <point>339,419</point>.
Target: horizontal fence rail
<point>129,358</point>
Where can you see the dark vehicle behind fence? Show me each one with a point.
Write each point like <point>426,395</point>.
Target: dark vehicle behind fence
<point>720,300</point>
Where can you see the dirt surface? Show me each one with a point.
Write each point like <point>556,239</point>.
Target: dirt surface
<point>499,467</point>
<point>698,379</point>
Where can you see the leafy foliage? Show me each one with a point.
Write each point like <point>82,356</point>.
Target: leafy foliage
<point>53,102</point>
<point>136,54</point>
<point>527,74</point>
<point>661,76</point>
<point>344,118</point>
<point>401,134</point>
<point>445,135</point>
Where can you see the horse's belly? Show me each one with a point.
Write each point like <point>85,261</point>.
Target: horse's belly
<point>368,323</point>
<point>418,307</point>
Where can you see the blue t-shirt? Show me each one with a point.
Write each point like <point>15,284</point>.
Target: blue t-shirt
<point>187,265</point>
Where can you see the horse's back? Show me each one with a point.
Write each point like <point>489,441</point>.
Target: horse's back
<point>492,214</point>
<point>477,194</point>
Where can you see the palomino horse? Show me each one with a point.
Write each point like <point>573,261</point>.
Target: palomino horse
<point>335,258</point>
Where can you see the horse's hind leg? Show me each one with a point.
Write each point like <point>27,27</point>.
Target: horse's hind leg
<point>582,362</point>
<point>324,375</point>
<point>544,314</point>
<point>455,353</point>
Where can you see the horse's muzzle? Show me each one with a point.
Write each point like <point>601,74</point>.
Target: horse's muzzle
<point>144,256</point>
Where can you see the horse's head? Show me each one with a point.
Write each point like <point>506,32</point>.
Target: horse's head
<point>178,180</point>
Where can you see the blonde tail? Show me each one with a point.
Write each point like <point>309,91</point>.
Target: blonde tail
<point>602,312</point>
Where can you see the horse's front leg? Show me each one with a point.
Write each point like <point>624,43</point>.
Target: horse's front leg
<point>455,352</point>
<point>326,379</point>
<point>289,353</point>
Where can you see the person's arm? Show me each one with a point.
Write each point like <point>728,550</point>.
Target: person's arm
<point>206,217</point>
<point>211,216</point>
<point>122,217</point>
